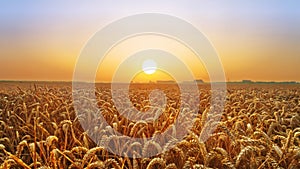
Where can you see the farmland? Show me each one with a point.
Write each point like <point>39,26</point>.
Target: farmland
<point>259,127</point>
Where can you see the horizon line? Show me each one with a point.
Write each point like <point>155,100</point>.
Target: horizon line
<point>156,82</point>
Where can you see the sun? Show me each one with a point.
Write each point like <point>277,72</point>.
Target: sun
<point>149,66</point>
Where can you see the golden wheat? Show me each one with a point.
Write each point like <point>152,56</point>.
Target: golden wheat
<point>259,128</point>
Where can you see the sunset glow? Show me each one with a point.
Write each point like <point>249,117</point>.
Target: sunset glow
<point>254,40</point>
<point>124,51</point>
<point>149,67</point>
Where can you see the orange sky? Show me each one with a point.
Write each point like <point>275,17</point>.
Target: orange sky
<point>254,40</point>
<point>127,48</point>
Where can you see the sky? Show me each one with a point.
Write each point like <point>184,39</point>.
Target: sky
<point>257,40</point>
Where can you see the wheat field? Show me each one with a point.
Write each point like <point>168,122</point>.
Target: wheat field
<point>259,128</point>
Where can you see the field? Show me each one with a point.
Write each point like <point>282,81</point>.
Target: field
<point>259,128</point>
